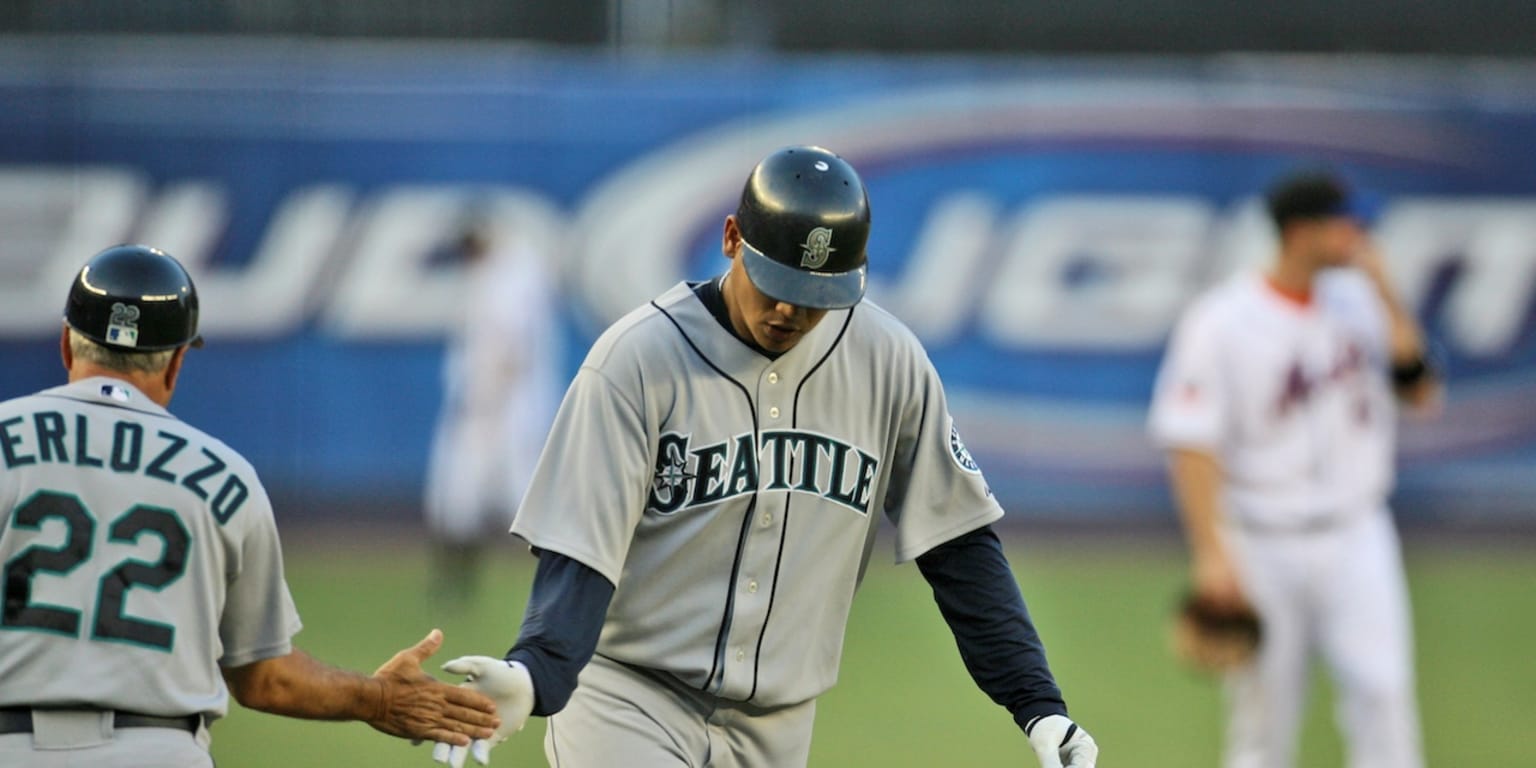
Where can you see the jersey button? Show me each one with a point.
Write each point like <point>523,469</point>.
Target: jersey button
<point>773,377</point>
<point>741,655</point>
<point>752,586</point>
<point>767,519</point>
<point>773,413</point>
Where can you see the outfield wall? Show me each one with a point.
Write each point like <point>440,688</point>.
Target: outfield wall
<point>1039,222</point>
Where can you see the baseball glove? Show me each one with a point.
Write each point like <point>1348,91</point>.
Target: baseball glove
<point>1210,637</point>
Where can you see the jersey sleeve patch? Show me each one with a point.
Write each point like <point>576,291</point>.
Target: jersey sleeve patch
<point>959,452</point>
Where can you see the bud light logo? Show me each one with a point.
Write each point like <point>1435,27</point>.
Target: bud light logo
<point>1044,244</point>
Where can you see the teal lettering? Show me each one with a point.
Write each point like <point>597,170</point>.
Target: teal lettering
<point>194,480</point>
<point>156,468</point>
<point>778,444</point>
<point>744,470</point>
<point>50,436</point>
<point>127,446</point>
<point>8,443</point>
<point>868,468</point>
<point>811,446</point>
<point>710,485</point>
<point>230,497</point>
<point>82,457</point>
<point>835,490</point>
<point>799,462</point>
<point>671,484</point>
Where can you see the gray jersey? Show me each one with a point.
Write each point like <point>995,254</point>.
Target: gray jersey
<point>139,555</point>
<point>732,498</point>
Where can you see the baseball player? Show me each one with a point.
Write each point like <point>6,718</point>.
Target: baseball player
<point>707,502</point>
<point>500,395</point>
<point>142,576</point>
<point>1275,404</point>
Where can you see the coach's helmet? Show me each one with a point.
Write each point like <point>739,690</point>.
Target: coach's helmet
<point>134,298</point>
<point>804,220</point>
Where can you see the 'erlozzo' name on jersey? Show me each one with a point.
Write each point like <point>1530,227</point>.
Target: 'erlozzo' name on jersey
<point>48,437</point>
<point>786,460</point>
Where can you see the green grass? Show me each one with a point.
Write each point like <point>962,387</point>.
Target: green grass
<point>905,700</point>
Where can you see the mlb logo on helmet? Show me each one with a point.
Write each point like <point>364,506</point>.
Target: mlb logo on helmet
<point>123,337</point>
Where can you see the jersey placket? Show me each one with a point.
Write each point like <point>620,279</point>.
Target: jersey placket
<point>761,546</point>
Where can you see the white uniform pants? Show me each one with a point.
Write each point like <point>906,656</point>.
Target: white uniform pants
<point>622,716</point>
<point>87,740</point>
<point>1339,594</point>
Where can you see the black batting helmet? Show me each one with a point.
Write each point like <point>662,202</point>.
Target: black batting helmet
<point>804,221</point>
<point>135,299</point>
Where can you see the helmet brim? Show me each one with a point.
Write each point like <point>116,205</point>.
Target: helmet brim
<point>196,341</point>
<point>800,287</point>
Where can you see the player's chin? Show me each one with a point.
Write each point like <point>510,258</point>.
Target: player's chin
<point>776,339</point>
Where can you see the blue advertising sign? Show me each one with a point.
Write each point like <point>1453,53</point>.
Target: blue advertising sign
<point>1040,224</point>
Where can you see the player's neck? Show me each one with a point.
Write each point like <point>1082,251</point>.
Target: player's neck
<point>733,309</point>
<point>153,385</point>
<point>1291,278</point>
<point>737,318</point>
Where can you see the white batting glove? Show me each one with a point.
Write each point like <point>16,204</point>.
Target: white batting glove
<point>509,685</point>
<point>1061,743</point>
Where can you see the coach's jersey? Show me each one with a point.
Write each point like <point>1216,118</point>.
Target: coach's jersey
<point>1293,398</point>
<point>139,555</point>
<point>732,498</point>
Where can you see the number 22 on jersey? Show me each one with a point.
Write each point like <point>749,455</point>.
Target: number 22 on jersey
<point>111,623</point>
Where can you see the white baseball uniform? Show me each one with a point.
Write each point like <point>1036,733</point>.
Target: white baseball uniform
<point>732,498</point>
<point>501,389</point>
<point>1294,399</point>
<point>139,557</point>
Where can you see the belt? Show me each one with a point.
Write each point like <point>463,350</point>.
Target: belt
<point>1303,527</point>
<point>19,720</point>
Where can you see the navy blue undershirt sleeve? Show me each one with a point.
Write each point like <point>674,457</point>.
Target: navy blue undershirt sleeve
<point>560,628</point>
<point>980,600</point>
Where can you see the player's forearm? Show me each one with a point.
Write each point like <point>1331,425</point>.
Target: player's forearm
<point>1405,339</point>
<point>1414,378</point>
<point>1196,476</point>
<point>560,628</point>
<point>298,685</point>
<point>980,601</point>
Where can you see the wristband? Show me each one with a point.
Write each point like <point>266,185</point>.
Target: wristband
<point>1409,373</point>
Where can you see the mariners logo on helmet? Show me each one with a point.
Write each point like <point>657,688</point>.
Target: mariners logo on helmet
<point>818,248</point>
<point>804,221</point>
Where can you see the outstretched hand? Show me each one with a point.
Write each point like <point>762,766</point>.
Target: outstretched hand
<point>509,685</point>
<point>414,705</point>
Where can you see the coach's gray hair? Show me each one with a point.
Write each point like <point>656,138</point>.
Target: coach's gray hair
<point>118,360</point>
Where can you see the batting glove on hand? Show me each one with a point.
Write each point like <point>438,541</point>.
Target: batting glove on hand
<point>505,682</point>
<point>1060,743</point>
